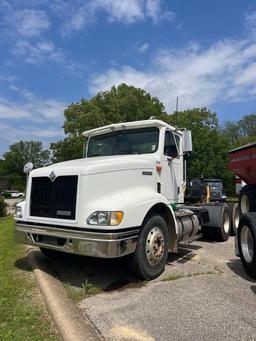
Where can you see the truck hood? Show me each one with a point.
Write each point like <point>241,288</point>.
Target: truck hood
<point>96,165</point>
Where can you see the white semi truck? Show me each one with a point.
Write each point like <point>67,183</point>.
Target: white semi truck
<point>125,197</point>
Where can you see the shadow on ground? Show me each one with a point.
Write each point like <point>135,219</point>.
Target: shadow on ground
<point>107,274</point>
<point>253,289</point>
<point>236,266</point>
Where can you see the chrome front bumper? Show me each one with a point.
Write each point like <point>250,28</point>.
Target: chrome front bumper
<point>94,244</point>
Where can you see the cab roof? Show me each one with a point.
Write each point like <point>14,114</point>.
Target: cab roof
<point>127,125</point>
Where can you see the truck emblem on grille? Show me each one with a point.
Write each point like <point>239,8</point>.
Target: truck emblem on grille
<point>52,176</point>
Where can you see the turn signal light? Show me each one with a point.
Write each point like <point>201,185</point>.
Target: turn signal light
<point>116,218</point>
<point>159,168</point>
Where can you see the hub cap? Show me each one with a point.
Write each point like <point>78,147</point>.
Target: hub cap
<point>226,222</point>
<point>247,244</point>
<point>237,218</point>
<point>155,246</point>
<point>245,205</point>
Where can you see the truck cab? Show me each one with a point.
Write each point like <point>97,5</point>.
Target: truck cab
<point>125,197</point>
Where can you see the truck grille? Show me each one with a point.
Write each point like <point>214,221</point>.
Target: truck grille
<point>55,199</point>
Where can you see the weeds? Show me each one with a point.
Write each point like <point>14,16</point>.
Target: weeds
<point>79,294</point>
<point>174,276</point>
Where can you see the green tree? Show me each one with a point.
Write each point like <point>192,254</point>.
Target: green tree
<point>2,207</point>
<point>240,132</point>
<point>69,148</point>
<point>19,154</point>
<point>120,104</point>
<point>231,130</point>
<point>210,146</point>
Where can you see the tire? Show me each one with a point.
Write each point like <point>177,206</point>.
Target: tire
<point>221,233</point>
<point>246,238</point>
<point>247,199</point>
<point>49,253</point>
<point>148,263</point>
<point>235,217</point>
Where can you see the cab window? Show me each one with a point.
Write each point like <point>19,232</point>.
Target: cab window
<point>171,144</point>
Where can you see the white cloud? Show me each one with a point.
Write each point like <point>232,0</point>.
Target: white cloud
<point>26,29</point>
<point>250,21</point>
<point>34,53</point>
<point>153,9</point>
<point>11,134</point>
<point>42,51</point>
<point>225,71</point>
<point>29,118</point>
<point>144,47</point>
<point>31,107</point>
<point>27,22</point>
<point>7,78</point>
<point>25,132</point>
<point>10,110</point>
<point>126,10</point>
<point>76,14</point>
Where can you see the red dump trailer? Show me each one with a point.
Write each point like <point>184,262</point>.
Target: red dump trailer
<point>242,161</point>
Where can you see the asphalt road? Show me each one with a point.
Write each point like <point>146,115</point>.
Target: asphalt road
<point>203,294</point>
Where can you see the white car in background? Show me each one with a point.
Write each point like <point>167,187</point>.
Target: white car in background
<point>15,194</point>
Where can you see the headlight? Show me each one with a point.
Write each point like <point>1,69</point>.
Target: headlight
<point>18,212</point>
<point>105,218</point>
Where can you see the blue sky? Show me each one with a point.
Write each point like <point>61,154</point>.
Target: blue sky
<point>56,52</point>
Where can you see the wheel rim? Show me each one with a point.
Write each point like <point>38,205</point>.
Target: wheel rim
<point>245,205</point>
<point>155,246</point>
<point>226,222</point>
<point>247,244</point>
<point>236,219</point>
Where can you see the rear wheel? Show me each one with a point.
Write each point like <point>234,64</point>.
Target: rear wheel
<point>151,252</point>
<point>221,233</point>
<point>247,199</point>
<point>246,238</point>
<point>235,217</point>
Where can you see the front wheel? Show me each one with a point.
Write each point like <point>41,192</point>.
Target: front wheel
<point>151,253</point>
<point>246,238</point>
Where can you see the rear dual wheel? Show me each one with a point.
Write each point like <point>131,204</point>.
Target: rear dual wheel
<point>151,253</point>
<point>221,233</point>
<point>234,217</point>
<point>246,238</point>
<point>247,199</point>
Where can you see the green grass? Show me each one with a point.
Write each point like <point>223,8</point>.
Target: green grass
<point>79,294</point>
<point>22,314</point>
<point>174,276</point>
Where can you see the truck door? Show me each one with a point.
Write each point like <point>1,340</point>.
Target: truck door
<point>172,172</point>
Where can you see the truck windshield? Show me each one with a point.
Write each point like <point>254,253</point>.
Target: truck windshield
<point>132,141</point>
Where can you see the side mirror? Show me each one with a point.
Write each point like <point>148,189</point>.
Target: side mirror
<point>28,167</point>
<point>187,141</point>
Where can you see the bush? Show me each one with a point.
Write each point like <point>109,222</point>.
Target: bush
<point>7,195</point>
<point>2,207</point>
